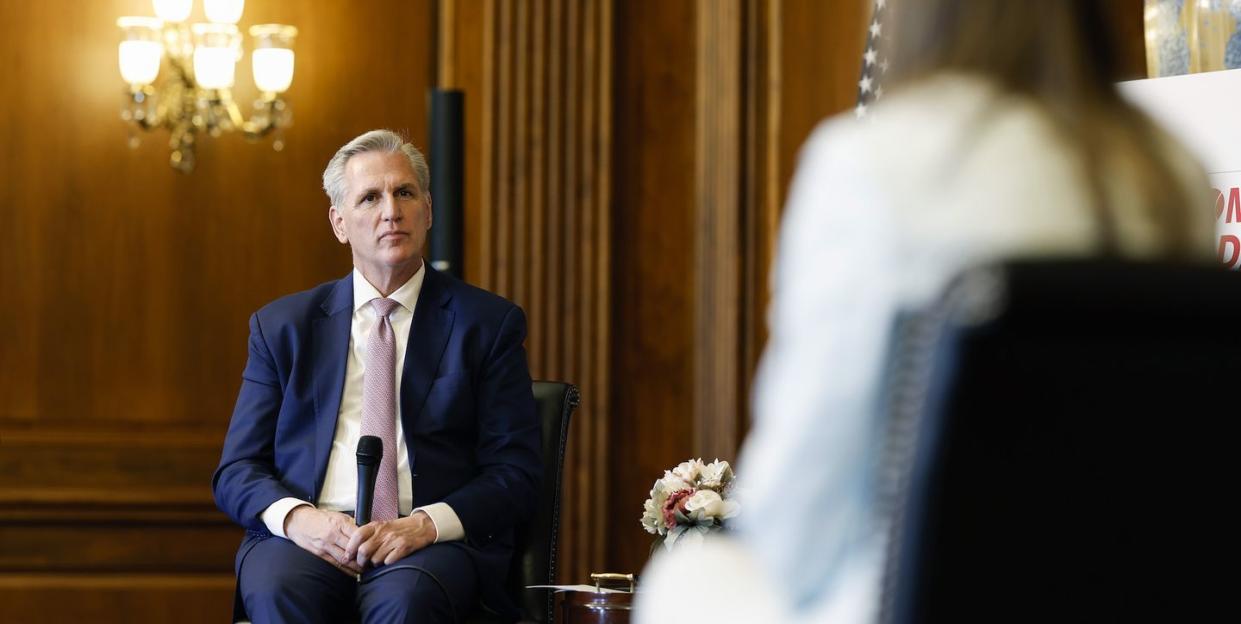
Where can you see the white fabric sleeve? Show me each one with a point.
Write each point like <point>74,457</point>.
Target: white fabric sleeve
<point>276,512</point>
<point>447,525</point>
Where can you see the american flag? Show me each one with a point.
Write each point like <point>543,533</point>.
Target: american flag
<point>874,63</point>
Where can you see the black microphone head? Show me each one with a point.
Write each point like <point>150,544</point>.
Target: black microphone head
<point>370,450</point>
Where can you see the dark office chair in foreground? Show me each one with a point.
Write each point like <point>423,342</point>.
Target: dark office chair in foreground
<point>1070,441</point>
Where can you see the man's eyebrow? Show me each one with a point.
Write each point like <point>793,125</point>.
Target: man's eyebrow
<point>364,192</point>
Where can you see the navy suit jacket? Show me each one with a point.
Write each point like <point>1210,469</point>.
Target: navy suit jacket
<point>467,413</point>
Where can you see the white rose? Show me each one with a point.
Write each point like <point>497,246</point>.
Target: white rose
<point>688,470</point>
<point>652,519</point>
<point>661,490</point>
<point>652,509</point>
<point>716,475</point>
<point>673,483</point>
<point>704,505</point>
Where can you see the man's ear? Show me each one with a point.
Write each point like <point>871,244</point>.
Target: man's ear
<point>338,224</point>
<point>430,212</point>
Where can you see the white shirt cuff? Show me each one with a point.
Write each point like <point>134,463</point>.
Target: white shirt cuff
<point>447,525</point>
<point>276,512</point>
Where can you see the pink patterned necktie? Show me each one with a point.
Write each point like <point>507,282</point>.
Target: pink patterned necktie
<point>379,406</point>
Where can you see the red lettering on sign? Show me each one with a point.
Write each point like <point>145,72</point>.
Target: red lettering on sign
<point>1219,203</point>
<point>1234,205</point>
<point>1225,242</point>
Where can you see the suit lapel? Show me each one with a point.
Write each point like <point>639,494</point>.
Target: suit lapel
<point>330,336</point>
<point>428,335</point>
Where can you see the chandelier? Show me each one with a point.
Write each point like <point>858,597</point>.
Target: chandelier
<point>194,91</point>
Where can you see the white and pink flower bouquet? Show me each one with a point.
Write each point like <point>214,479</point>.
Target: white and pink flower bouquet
<point>690,501</point>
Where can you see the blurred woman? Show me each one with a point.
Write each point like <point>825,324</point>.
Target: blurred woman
<point>1001,134</point>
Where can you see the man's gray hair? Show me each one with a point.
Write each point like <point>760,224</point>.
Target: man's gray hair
<point>373,141</point>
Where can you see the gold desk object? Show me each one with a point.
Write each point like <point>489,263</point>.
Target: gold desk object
<point>597,607</point>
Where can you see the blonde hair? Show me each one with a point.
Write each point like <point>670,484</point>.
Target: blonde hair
<point>1060,55</point>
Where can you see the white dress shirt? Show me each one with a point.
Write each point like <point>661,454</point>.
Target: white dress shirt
<point>340,484</point>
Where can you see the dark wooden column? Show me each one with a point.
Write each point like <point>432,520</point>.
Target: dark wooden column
<point>712,100</point>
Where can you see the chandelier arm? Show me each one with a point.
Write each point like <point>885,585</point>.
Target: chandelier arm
<point>270,120</point>
<point>234,113</point>
<point>251,128</point>
<point>172,107</point>
<point>149,123</point>
<point>181,141</point>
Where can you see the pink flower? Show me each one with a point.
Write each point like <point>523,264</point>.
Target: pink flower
<point>676,502</point>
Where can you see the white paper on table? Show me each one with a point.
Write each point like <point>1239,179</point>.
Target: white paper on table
<point>580,588</point>
<point>1201,110</point>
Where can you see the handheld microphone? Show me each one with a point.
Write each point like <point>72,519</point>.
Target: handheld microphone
<point>370,452</point>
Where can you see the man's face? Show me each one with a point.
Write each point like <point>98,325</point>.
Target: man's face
<point>385,216</point>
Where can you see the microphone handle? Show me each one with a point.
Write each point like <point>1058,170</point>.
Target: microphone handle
<point>366,494</point>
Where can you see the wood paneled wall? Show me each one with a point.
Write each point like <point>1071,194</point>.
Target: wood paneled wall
<point>126,288</point>
<point>537,77</point>
<point>654,224</point>
<point>713,99</point>
<point>1128,20</point>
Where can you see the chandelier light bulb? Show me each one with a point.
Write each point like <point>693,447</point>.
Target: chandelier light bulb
<point>273,69</point>
<point>214,68</point>
<point>224,11</point>
<point>140,52</point>
<point>173,10</point>
<point>215,54</point>
<point>140,61</point>
<point>273,56</point>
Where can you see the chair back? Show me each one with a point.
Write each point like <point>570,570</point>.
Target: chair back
<point>534,560</point>
<point>1064,443</point>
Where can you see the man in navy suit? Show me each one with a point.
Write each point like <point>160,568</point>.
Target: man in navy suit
<point>396,347</point>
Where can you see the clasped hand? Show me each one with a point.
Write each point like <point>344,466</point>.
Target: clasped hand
<point>385,543</point>
<point>333,537</point>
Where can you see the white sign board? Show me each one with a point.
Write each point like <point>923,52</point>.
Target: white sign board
<point>1203,111</point>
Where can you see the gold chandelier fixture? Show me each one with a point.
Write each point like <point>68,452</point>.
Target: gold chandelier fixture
<point>198,61</point>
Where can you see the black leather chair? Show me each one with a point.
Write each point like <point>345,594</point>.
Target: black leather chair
<point>534,562</point>
<point>1064,445</point>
